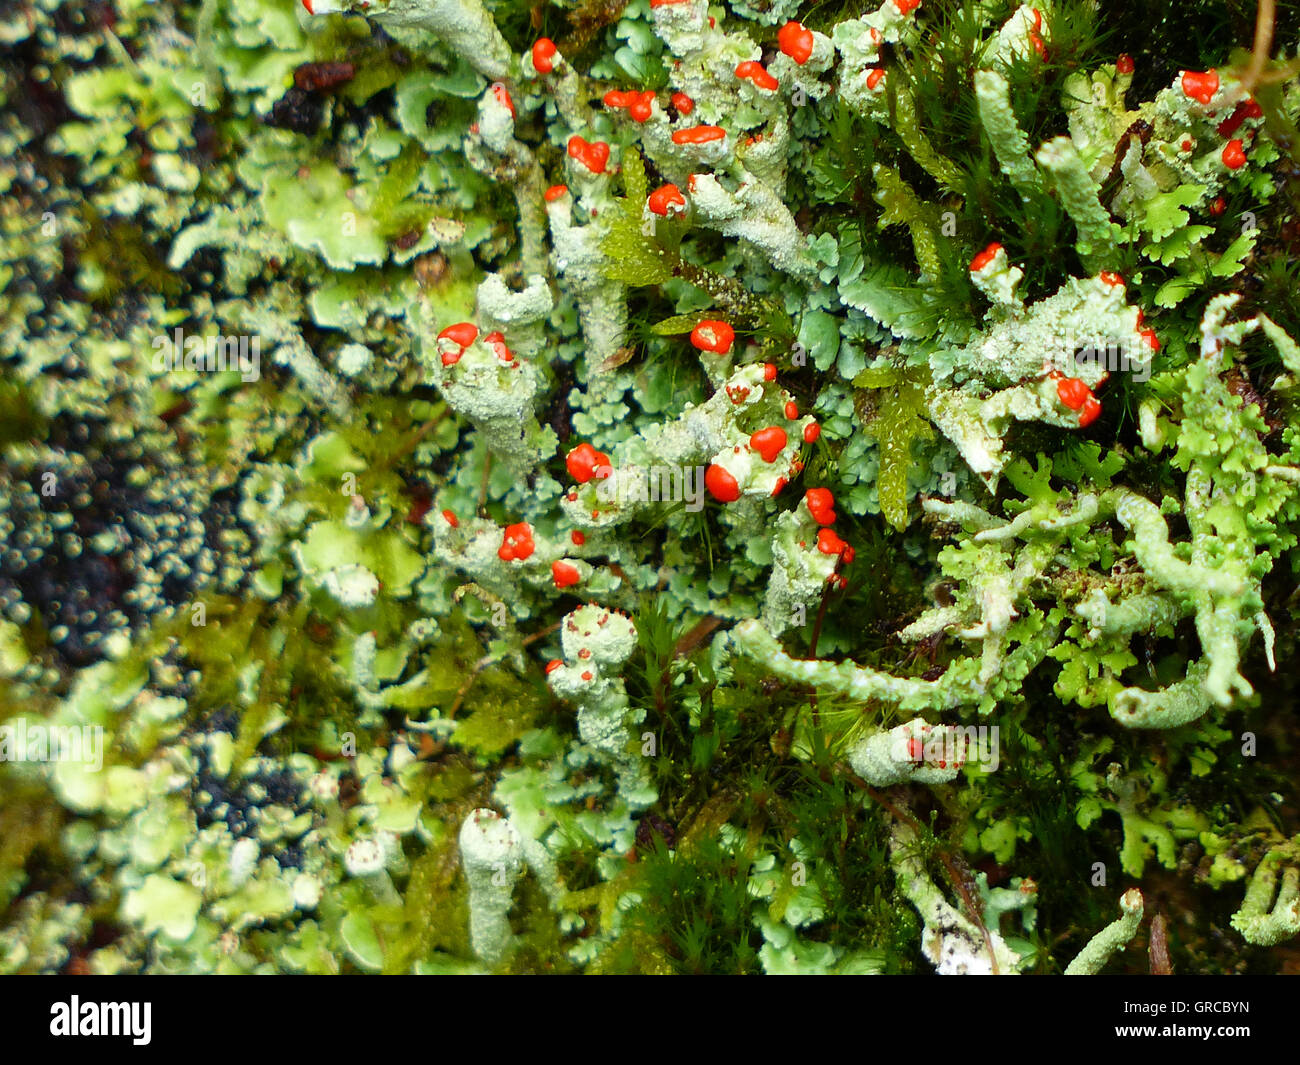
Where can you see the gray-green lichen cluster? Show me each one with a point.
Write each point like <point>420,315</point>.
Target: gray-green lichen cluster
<point>591,497</point>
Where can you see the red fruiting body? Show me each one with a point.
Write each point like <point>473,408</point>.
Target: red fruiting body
<point>517,543</point>
<point>307,5</point>
<point>497,342</point>
<point>462,333</point>
<point>874,75</point>
<point>450,518</point>
<point>1233,156</point>
<point>662,3</point>
<point>1088,414</point>
<point>1201,86</point>
<point>586,673</point>
<point>553,665</point>
<point>616,98</point>
<point>906,7</point>
<point>1153,341</point>
<point>665,198</point>
<point>710,335</point>
<point>781,482</point>
<point>737,394</point>
<point>502,96</point>
<point>757,74</point>
<point>1187,144</point>
<point>1218,206</point>
<point>699,135</point>
<point>1112,278</point>
<point>811,432</point>
<point>1124,64</point>
<point>821,505</point>
<point>847,556</point>
<point>564,574</point>
<point>769,442</point>
<point>578,537</point>
<point>641,106</point>
<point>915,750</point>
<point>791,410</point>
<point>985,257</point>
<point>584,462</point>
<point>1246,109</point>
<point>721,485</point>
<point>829,543</point>
<point>684,104</point>
<point>796,41</point>
<point>555,192</point>
<point>592,155</point>
<point>1035,34</point>
<point>1073,392</point>
<point>543,54</point>
<point>769,371</point>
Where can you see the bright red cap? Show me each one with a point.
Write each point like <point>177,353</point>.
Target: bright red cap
<point>829,543</point>
<point>796,41</point>
<point>516,543</point>
<point>543,54</point>
<point>769,442</point>
<point>1072,392</point>
<point>985,257</point>
<point>699,135</point>
<point>821,505</point>
<point>564,574</point>
<point>1201,86</point>
<point>665,198</point>
<point>1089,412</point>
<point>584,462</point>
<point>756,73</point>
<point>710,335</point>
<point>721,485</point>
<point>593,155</point>
<point>462,333</point>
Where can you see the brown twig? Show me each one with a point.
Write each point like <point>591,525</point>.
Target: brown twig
<point>488,660</point>
<point>958,879</point>
<point>1158,947</point>
<point>1265,16</point>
